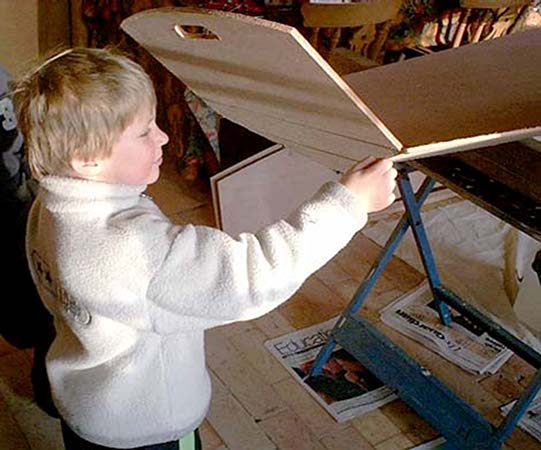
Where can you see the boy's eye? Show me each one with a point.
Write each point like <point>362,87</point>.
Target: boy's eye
<point>145,133</point>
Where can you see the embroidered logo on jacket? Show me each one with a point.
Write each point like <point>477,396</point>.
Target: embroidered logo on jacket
<point>46,281</point>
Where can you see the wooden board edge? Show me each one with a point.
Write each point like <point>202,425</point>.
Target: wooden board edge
<point>463,144</point>
<point>215,179</point>
<point>348,91</point>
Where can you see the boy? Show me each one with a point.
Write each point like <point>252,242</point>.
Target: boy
<point>132,293</point>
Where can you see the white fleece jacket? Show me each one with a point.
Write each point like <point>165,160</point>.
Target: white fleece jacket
<point>132,294</point>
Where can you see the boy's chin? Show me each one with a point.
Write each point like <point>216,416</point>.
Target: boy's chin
<point>153,178</point>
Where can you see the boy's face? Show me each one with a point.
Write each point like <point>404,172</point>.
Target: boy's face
<point>137,154</point>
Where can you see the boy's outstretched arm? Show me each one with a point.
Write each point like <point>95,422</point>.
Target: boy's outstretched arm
<point>209,278</point>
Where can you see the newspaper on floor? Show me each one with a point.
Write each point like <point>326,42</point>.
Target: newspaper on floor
<point>531,420</point>
<point>345,388</point>
<point>434,444</point>
<point>462,343</point>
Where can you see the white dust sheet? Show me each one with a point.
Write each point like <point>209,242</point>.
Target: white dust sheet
<point>479,257</point>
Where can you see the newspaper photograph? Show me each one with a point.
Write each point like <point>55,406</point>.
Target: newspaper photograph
<point>463,343</point>
<point>345,388</point>
<point>531,420</point>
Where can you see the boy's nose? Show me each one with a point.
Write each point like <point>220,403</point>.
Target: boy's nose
<point>163,138</point>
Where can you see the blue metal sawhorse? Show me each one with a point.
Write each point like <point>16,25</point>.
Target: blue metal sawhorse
<point>461,425</point>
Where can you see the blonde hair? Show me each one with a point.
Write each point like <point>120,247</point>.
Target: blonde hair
<point>76,104</point>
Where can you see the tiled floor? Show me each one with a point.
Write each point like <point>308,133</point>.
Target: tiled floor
<point>256,403</point>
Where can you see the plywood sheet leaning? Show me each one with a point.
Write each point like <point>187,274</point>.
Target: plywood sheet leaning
<point>264,76</point>
<point>264,188</point>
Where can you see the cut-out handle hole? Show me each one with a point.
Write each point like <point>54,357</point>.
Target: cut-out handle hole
<point>195,32</point>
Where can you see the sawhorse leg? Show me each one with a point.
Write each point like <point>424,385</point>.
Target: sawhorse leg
<point>414,202</point>
<point>463,427</point>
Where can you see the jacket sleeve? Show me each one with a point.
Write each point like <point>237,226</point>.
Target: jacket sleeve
<point>209,278</point>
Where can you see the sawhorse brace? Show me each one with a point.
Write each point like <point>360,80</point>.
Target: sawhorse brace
<point>461,425</point>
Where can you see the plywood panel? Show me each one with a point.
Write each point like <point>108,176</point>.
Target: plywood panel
<point>265,188</point>
<point>466,97</point>
<point>262,75</point>
<point>266,77</point>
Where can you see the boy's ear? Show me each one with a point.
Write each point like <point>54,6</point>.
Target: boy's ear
<point>87,169</point>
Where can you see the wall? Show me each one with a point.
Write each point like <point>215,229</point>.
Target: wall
<point>29,28</point>
<point>18,33</point>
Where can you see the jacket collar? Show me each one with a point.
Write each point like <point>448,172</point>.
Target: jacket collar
<point>75,194</point>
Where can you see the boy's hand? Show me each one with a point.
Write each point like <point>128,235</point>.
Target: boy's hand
<point>373,181</point>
